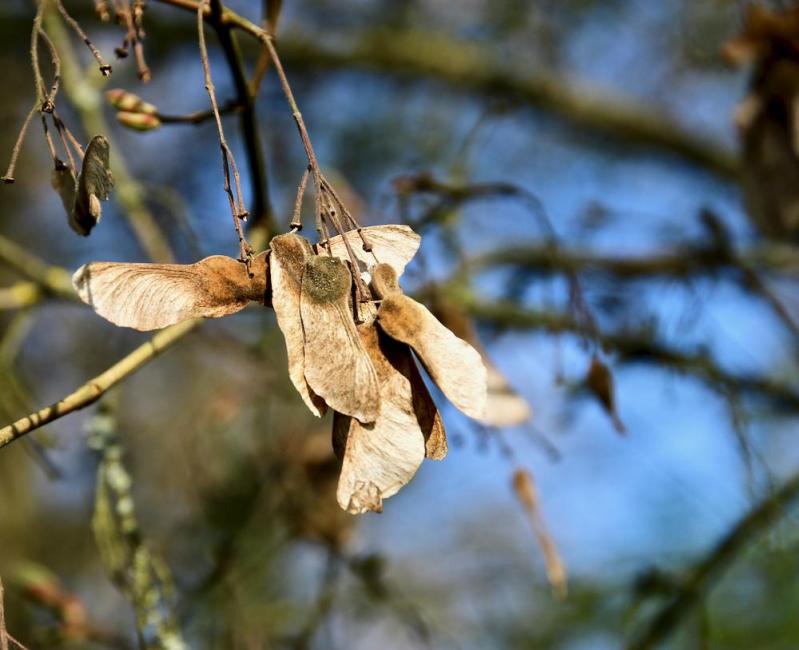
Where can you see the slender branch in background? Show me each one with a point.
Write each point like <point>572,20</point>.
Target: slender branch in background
<point>636,347</point>
<point>261,209</point>
<point>141,574</point>
<point>93,389</point>
<point>86,98</point>
<point>703,575</point>
<point>474,68</point>
<point>237,209</point>
<point>52,279</point>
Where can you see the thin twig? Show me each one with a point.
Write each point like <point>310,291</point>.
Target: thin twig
<point>105,69</point>
<point>93,389</point>
<point>236,203</point>
<point>261,213</point>
<point>8,177</point>
<point>3,632</point>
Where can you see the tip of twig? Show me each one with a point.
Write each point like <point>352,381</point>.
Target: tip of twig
<point>8,180</point>
<point>105,69</point>
<point>145,75</point>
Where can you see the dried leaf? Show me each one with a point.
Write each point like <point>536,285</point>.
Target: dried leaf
<point>65,184</point>
<point>504,406</point>
<point>152,296</point>
<point>286,265</point>
<point>337,367</point>
<point>381,457</point>
<point>453,364</point>
<point>94,185</point>
<point>525,490</point>
<point>392,244</point>
<point>599,381</point>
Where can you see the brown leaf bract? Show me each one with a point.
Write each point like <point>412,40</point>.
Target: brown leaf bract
<point>286,266</point>
<point>337,367</point>
<point>392,244</point>
<point>599,381</point>
<point>453,364</point>
<point>381,457</point>
<point>94,185</point>
<point>152,296</point>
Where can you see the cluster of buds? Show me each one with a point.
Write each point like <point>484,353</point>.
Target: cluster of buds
<point>351,336</point>
<point>132,111</point>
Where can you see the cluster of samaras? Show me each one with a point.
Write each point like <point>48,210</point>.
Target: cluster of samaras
<point>349,333</point>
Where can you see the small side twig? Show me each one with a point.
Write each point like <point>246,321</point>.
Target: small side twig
<point>105,68</point>
<point>237,209</point>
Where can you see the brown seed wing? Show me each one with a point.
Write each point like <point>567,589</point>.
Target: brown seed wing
<point>152,296</point>
<point>504,406</point>
<point>381,457</point>
<point>94,184</point>
<point>337,367</point>
<point>286,265</point>
<point>453,364</point>
<point>392,244</point>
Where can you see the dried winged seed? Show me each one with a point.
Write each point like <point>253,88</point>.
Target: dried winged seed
<point>385,283</point>
<point>65,184</point>
<point>393,244</point>
<point>337,367</point>
<point>381,457</point>
<point>453,364</point>
<point>504,406</point>
<point>151,296</point>
<point>286,265</point>
<point>94,184</point>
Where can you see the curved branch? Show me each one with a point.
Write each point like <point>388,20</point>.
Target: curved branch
<point>93,389</point>
<point>708,569</point>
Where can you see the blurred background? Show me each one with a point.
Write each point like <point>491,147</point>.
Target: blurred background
<point>595,186</point>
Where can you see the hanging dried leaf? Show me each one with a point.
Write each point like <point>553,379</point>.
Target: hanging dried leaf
<point>381,457</point>
<point>94,185</point>
<point>525,490</point>
<point>337,367</point>
<point>504,406</point>
<point>286,265</point>
<point>392,244</point>
<point>600,382</point>
<point>152,296</point>
<point>65,184</point>
<point>453,364</point>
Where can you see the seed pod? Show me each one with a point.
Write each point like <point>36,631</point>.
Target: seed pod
<point>94,185</point>
<point>381,457</point>
<point>152,296</point>
<point>453,364</point>
<point>337,367</point>
<point>392,244</point>
<point>286,266</point>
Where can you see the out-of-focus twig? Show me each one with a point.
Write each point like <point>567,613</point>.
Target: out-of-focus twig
<point>93,389</point>
<point>639,346</point>
<point>701,577</point>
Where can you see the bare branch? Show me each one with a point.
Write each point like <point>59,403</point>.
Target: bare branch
<point>703,575</point>
<point>93,389</point>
